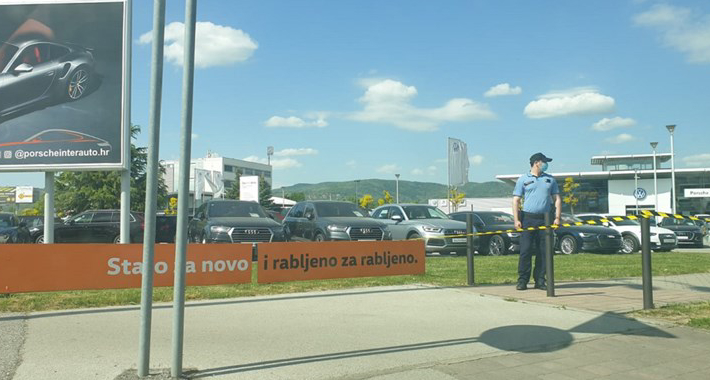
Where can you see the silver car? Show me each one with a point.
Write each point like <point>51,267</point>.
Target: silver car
<point>414,221</point>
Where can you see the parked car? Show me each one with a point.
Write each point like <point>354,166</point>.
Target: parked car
<point>573,239</point>
<point>688,233</point>
<point>231,221</point>
<point>332,220</point>
<point>35,224</point>
<point>96,226</point>
<point>491,221</point>
<point>165,228</point>
<point>12,230</point>
<point>414,221</point>
<point>662,239</point>
<point>34,71</point>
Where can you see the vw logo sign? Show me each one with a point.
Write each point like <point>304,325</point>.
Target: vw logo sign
<point>640,193</point>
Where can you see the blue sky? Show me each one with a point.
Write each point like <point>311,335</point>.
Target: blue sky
<point>364,89</point>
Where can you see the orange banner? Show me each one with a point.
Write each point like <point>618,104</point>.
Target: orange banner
<point>54,267</point>
<point>281,262</point>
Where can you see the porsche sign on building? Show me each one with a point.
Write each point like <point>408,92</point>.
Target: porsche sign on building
<point>62,69</point>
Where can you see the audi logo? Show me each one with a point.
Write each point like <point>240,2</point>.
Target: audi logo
<point>366,230</point>
<point>251,232</point>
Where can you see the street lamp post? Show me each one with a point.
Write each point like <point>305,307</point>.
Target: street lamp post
<point>670,129</point>
<point>655,176</point>
<point>397,188</point>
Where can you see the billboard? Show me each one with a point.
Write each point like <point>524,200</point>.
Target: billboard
<point>62,70</point>
<point>23,194</point>
<point>249,188</point>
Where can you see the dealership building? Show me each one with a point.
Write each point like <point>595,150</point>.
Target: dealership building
<point>626,182</point>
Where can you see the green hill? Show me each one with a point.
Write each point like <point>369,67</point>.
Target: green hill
<point>409,191</point>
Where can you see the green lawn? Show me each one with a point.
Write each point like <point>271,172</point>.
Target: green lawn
<point>690,314</point>
<point>441,271</point>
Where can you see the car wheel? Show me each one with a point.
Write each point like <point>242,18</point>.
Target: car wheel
<point>413,236</point>
<point>117,239</point>
<point>40,239</point>
<point>568,245</point>
<point>496,246</point>
<point>78,83</point>
<point>319,237</point>
<point>629,244</point>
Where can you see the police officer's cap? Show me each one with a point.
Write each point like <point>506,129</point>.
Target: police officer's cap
<point>539,157</point>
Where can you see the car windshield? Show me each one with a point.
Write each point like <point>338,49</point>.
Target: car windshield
<point>424,212</point>
<point>5,221</point>
<point>496,218</point>
<point>339,209</point>
<point>7,51</point>
<point>236,209</point>
<point>570,219</point>
<point>625,222</point>
<point>677,222</point>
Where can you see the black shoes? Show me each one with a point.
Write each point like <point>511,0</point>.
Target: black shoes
<point>541,286</point>
<point>521,286</point>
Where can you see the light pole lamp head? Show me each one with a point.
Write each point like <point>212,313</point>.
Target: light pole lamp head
<point>397,175</point>
<point>654,145</point>
<point>670,128</point>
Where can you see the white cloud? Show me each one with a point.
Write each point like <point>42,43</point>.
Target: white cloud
<point>195,136</point>
<point>683,29</point>
<point>698,160</point>
<point>430,170</point>
<point>296,152</point>
<point>417,172</point>
<point>578,101</point>
<point>215,45</point>
<point>607,124</point>
<point>351,164</point>
<point>387,169</point>
<point>295,122</point>
<point>389,102</point>
<point>279,163</point>
<point>620,139</point>
<point>476,159</point>
<point>503,89</point>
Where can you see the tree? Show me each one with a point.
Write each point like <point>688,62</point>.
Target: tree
<point>570,195</point>
<point>367,201</point>
<point>296,197</point>
<point>172,206</point>
<point>388,197</point>
<point>265,194</point>
<point>233,191</point>
<point>455,197</point>
<point>79,191</point>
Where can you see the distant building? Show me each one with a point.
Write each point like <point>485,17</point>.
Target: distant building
<point>216,175</point>
<point>503,204</point>
<point>615,190</point>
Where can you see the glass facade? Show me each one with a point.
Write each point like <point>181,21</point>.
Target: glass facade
<point>593,195</point>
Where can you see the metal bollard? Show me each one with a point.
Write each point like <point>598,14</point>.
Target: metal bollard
<point>549,257</point>
<point>469,248</point>
<point>646,276</point>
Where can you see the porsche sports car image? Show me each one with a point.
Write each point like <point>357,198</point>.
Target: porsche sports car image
<point>34,72</point>
<point>52,138</point>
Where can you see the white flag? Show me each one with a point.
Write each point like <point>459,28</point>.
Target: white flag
<point>458,162</point>
<point>216,184</point>
<point>200,178</point>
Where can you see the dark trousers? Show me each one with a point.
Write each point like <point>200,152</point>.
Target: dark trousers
<point>532,243</point>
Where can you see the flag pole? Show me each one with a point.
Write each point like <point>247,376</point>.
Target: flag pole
<point>448,169</point>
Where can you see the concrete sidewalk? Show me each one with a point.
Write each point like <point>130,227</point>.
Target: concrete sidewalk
<point>387,333</point>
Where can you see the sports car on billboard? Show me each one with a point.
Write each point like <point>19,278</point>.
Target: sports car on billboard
<point>33,72</point>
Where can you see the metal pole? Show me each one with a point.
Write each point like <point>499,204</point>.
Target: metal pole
<point>671,128</point>
<point>183,188</point>
<point>549,257</point>
<point>655,175</point>
<point>397,188</point>
<point>48,207</point>
<point>125,221</point>
<point>151,194</point>
<point>469,248</point>
<point>647,278</point>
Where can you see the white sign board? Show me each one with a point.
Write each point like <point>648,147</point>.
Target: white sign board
<point>23,194</point>
<point>697,193</point>
<point>249,188</point>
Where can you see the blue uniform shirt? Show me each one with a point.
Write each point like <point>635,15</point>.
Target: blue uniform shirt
<point>537,191</point>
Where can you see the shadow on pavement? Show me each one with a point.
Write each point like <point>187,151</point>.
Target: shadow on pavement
<point>517,338</point>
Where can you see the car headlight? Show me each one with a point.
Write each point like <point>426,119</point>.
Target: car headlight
<point>587,234</point>
<point>513,234</point>
<point>432,229</point>
<point>219,229</point>
<point>337,228</point>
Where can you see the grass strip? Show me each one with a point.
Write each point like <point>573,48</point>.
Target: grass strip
<point>440,271</point>
<point>696,314</point>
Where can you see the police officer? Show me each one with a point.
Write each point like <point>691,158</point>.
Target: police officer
<point>538,189</point>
